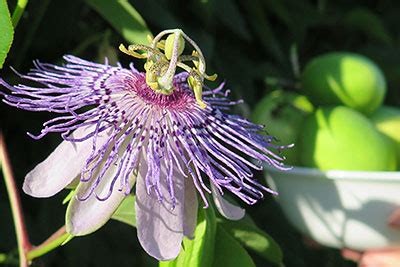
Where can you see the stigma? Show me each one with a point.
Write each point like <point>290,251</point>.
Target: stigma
<point>165,55</point>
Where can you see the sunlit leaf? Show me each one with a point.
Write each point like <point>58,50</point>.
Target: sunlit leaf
<point>228,252</point>
<point>126,211</point>
<point>253,238</point>
<point>198,252</point>
<point>124,18</point>
<point>6,32</point>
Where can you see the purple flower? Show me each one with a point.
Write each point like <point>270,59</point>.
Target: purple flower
<point>122,134</point>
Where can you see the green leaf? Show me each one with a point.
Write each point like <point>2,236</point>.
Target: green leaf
<point>368,22</point>
<point>229,253</point>
<point>126,211</point>
<point>6,32</point>
<point>198,252</point>
<point>253,238</point>
<point>124,18</point>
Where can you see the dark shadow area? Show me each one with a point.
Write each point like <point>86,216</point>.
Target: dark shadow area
<point>255,46</point>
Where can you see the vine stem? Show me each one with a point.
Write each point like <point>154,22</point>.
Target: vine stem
<point>19,223</point>
<point>55,240</point>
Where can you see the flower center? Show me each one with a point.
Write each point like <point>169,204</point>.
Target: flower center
<point>164,56</point>
<point>179,98</point>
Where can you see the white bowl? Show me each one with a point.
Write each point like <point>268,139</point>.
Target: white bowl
<point>341,209</point>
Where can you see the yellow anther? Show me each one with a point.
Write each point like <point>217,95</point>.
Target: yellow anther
<point>131,52</point>
<point>122,48</point>
<point>184,58</point>
<point>151,80</point>
<point>153,72</point>
<point>196,61</point>
<point>210,78</point>
<point>148,64</point>
<point>161,45</point>
<point>196,84</point>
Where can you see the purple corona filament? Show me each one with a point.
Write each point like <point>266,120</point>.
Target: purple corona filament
<point>122,137</point>
<point>118,101</point>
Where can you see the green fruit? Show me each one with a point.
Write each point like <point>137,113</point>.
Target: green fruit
<point>339,138</point>
<point>282,113</point>
<point>344,79</point>
<point>387,121</point>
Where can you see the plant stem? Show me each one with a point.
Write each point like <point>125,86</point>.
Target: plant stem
<point>18,11</point>
<point>51,243</point>
<point>25,250</point>
<point>16,209</point>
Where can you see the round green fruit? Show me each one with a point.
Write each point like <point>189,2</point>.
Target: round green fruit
<point>387,121</point>
<point>282,113</point>
<point>340,138</point>
<point>346,79</point>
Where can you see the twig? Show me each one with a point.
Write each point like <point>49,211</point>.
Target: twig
<point>15,202</point>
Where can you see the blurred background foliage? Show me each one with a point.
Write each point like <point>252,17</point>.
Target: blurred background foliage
<point>255,46</point>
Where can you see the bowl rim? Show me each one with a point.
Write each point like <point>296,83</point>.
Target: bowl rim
<point>339,174</point>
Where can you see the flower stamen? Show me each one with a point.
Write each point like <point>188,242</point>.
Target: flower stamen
<point>164,56</point>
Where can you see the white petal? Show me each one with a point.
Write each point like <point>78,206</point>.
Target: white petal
<point>190,208</point>
<point>85,217</point>
<point>160,228</point>
<point>59,169</point>
<point>227,209</point>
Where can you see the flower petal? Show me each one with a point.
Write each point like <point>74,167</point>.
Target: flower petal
<point>190,208</point>
<point>63,165</point>
<point>86,216</point>
<point>159,227</point>
<point>227,209</point>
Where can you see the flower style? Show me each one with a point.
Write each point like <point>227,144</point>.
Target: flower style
<point>157,133</point>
